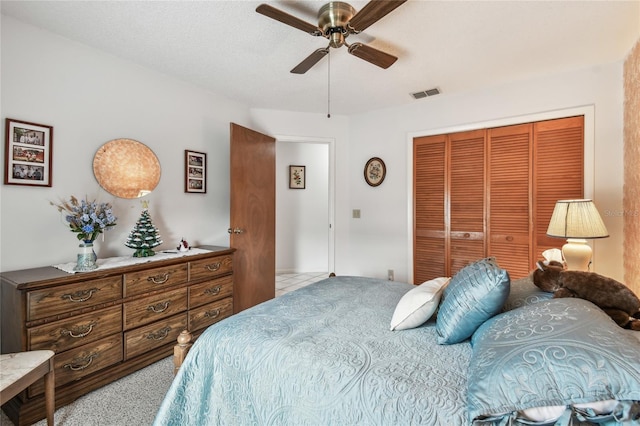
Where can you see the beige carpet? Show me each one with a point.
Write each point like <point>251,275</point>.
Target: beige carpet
<point>132,400</point>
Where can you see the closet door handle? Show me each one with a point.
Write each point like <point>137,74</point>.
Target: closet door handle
<point>235,231</point>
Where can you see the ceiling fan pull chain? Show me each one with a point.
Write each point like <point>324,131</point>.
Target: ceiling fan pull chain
<point>329,85</point>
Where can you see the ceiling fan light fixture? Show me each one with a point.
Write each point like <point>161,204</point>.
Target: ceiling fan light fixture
<point>336,37</point>
<point>336,21</point>
<point>335,14</point>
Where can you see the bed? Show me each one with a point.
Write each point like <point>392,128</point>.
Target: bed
<point>362,351</point>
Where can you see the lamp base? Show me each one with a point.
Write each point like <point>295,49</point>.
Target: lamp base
<point>577,254</point>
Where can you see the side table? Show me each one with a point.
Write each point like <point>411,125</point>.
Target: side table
<point>19,370</point>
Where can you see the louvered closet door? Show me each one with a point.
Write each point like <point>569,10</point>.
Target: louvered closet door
<point>429,233</point>
<point>466,198</point>
<point>558,173</point>
<point>509,175</point>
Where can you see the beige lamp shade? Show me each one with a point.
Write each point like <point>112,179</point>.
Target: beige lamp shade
<point>576,219</point>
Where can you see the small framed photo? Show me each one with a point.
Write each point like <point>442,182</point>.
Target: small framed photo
<point>297,177</point>
<point>375,171</point>
<point>28,153</point>
<point>195,167</point>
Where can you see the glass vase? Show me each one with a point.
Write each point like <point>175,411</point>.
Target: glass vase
<point>86,257</point>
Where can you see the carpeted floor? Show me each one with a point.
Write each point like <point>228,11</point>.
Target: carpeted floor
<point>132,400</point>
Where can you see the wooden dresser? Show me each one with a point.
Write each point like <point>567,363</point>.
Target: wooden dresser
<point>108,323</point>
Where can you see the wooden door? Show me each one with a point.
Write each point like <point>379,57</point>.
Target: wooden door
<point>509,198</point>
<point>466,205</point>
<point>253,216</point>
<point>449,227</point>
<point>558,173</point>
<point>430,257</point>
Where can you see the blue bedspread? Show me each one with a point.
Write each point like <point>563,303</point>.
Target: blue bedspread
<point>322,355</point>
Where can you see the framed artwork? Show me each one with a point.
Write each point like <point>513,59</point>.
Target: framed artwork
<point>28,153</point>
<point>297,177</point>
<point>195,168</point>
<point>375,171</point>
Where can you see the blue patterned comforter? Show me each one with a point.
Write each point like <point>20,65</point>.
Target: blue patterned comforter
<point>322,355</point>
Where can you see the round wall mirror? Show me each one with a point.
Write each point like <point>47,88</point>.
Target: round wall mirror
<point>126,168</point>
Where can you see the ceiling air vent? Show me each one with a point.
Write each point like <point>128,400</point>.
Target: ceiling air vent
<point>425,93</point>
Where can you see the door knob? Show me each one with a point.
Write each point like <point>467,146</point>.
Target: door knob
<point>234,231</point>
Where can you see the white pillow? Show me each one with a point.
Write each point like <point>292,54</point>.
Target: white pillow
<point>418,304</point>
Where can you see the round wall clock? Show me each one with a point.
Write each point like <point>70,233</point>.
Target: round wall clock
<point>375,171</point>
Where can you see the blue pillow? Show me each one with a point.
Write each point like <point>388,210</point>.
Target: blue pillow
<point>560,353</point>
<point>475,294</point>
<point>524,292</point>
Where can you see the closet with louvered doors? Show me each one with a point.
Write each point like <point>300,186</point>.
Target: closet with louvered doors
<point>491,192</point>
<point>449,224</point>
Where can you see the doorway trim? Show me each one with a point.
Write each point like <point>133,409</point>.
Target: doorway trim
<point>588,111</point>
<point>332,173</point>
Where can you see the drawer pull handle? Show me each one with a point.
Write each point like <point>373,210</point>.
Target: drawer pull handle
<point>81,363</point>
<point>80,295</point>
<point>160,278</point>
<point>160,335</point>
<point>214,267</point>
<point>212,314</point>
<point>214,291</point>
<point>79,330</point>
<point>159,307</point>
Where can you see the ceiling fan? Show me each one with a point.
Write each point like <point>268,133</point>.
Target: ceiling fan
<point>336,21</point>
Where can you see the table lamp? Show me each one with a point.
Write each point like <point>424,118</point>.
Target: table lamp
<point>576,220</point>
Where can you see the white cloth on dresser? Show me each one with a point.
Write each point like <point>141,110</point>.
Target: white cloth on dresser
<point>116,262</point>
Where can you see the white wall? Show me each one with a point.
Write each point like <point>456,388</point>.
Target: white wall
<point>296,126</point>
<point>302,215</point>
<point>380,239</point>
<point>89,98</point>
<point>382,235</point>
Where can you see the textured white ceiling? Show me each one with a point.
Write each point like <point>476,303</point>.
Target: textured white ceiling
<point>228,48</point>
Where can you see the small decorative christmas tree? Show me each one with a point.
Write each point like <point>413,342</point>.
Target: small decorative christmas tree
<point>144,236</point>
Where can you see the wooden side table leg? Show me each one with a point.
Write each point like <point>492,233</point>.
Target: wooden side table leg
<point>49,393</point>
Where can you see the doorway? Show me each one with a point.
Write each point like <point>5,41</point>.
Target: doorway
<point>305,216</point>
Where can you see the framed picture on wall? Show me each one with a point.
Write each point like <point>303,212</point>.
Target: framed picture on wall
<point>375,171</point>
<point>297,177</point>
<point>195,168</point>
<point>27,155</point>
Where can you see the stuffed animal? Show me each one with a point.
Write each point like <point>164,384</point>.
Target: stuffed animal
<point>613,297</point>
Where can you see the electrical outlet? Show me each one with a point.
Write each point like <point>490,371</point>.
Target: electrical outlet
<point>390,274</point>
<point>356,213</point>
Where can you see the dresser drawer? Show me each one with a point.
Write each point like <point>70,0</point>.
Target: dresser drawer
<point>154,335</point>
<point>154,308</point>
<point>72,332</point>
<point>79,362</point>
<point>209,268</point>
<point>154,279</point>
<point>206,315</point>
<point>210,291</point>
<point>62,299</point>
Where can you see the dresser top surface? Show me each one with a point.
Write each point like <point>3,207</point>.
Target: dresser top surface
<point>26,279</point>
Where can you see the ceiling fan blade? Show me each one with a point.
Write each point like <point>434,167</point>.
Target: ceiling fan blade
<point>375,56</point>
<point>310,61</point>
<point>372,12</point>
<point>291,20</point>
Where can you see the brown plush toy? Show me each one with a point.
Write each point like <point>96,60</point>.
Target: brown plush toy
<point>613,297</point>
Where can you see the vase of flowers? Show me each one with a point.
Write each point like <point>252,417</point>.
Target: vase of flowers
<point>87,219</point>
